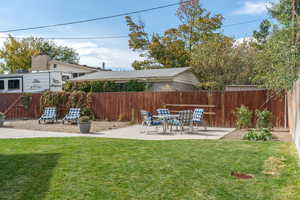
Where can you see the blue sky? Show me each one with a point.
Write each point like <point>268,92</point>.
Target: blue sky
<point>115,52</point>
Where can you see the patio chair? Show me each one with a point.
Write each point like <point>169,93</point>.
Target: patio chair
<point>148,119</point>
<point>48,115</point>
<point>72,116</point>
<point>163,111</point>
<point>198,117</point>
<point>185,119</point>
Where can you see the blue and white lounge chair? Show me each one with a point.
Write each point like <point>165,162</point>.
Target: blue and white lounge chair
<point>198,116</point>
<point>185,119</point>
<point>148,119</point>
<point>163,111</point>
<point>72,116</point>
<point>49,115</point>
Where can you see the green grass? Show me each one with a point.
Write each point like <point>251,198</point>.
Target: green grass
<point>88,168</point>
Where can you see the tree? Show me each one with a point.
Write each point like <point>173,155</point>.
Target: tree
<point>17,53</point>
<point>175,46</point>
<point>277,62</point>
<point>264,32</point>
<point>220,62</point>
<point>281,10</point>
<point>274,63</point>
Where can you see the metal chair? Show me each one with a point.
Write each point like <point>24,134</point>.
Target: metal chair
<point>184,119</point>
<point>72,116</point>
<point>163,111</point>
<point>198,117</point>
<point>48,115</point>
<point>148,120</point>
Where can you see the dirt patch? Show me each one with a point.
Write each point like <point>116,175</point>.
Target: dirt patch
<point>97,126</point>
<point>273,166</point>
<point>242,175</point>
<point>278,135</point>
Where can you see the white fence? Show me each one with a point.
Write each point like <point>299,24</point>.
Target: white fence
<point>294,114</point>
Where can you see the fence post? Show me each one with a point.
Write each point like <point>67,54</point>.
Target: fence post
<point>133,115</point>
<point>210,102</point>
<point>223,108</point>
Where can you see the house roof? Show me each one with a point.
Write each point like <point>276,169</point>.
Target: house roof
<point>137,74</point>
<point>75,65</point>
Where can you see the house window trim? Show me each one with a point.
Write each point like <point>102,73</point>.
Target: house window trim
<point>1,89</point>
<point>11,89</point>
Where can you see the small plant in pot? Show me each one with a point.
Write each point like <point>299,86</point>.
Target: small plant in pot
<point>85,124</point>
<point>2,118</point>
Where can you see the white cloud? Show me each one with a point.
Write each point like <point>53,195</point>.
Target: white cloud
<point>93,54</point>
<point>252,8</point>
<point>244,40</point>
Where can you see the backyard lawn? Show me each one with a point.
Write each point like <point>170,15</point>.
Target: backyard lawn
<point>90,168</point>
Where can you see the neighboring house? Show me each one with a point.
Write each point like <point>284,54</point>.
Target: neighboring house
<point>43,63</point>
<point>170,79</point>
<point>45,74</point>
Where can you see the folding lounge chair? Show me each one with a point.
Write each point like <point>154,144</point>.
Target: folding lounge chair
<point>185,119</point>
<point>49,115</point>
<point>163,111</point>
<point>198,117</point>
<point>148,119</point>
<point>72,116</point>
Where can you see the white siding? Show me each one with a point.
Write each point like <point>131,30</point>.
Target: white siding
<point>36,82</point>
<point>186,77</point>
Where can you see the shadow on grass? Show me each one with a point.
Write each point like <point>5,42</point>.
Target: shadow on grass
<point>26,176</point>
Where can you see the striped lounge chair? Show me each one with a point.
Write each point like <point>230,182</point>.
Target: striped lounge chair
<point>49,115</point>
<point>72,116</point>
<point>198,117</point>
<point>185,119</point>
<point>148,119</point>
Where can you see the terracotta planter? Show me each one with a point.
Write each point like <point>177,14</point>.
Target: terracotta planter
<point>84,127</point>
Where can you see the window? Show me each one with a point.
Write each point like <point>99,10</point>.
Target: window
<point>2,85</point>
<point>75,75</point>
<point>81,74</point>
<point>55,66</point>
<point>14,84</point>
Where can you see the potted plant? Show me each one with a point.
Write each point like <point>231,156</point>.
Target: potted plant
<point>2,118</point>
<point>84,124</point>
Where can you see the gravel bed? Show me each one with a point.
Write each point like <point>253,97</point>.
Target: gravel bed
<point>97,126</point>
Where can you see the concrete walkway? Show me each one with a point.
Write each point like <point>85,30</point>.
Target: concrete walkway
<point>132,132</point>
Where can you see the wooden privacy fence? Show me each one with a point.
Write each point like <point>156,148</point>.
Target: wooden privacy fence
<point>127,105</point>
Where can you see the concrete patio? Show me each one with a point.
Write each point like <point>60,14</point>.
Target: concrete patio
<point>136,132</point>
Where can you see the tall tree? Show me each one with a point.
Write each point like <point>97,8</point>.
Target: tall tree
<point>17,53</point>
<point>220,62</point>
<point>263,33</point>
<point>174,47</point>
<point>279,58</point>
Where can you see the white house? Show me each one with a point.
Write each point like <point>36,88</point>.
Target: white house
<point>161,80</point>
<point>45,74</point>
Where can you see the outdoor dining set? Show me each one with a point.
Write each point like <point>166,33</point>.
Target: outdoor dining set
<point>169,121</point>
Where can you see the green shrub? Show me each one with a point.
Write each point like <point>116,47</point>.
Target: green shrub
<point>84,119</point>
<point>262,134</point>
<point>105,86</point>
<point>264,119</point>
<point>243,117</point>
<point>2,116</point>
<point>26,101</point>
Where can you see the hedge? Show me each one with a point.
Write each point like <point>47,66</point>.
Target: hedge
<point>105,86</point>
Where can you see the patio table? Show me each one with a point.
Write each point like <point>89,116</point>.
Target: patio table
<point>165,119</point>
